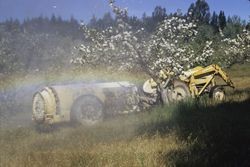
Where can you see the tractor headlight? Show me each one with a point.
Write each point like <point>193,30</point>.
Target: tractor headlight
<point>38,107</point>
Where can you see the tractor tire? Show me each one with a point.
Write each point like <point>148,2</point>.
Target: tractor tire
<point>180,91</point>
<point>217,93</point>
<point>87,110</point>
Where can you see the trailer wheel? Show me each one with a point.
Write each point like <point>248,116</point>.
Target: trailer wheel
<point>217,93</point>
<point>180,91</point>
<point>87,110</point>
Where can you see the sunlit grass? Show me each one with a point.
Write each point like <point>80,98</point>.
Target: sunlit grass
<point>119,141</point>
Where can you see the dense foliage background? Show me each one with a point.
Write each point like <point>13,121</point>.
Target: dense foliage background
<point>48,43</point>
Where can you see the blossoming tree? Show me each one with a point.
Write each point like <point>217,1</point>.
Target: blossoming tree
<point>122,48</point>
<point>236,50</point>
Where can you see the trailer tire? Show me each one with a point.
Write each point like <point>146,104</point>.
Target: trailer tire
<point>87,110</point>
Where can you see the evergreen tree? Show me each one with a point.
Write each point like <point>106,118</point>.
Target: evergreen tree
<point>13,26</point>
<point>234,26</point>
<point>135,22</point>
<point>222,20</point>
<point>214,21</point>
<point>144,16</point>
<point>73,21</point>
<point>53,19</point>
<point>200,11</point>
<point>191,10</point>
<point>159,14</point>
<point>93,22</point>
<point>147,23</point>
<point>229,20</point>
<point>106,21</point>
<point>248,24</point>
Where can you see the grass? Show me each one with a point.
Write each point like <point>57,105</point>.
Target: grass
<point>192,133</point>
<point>110,143</point>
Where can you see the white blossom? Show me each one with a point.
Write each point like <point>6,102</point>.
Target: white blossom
<point>121,48</point>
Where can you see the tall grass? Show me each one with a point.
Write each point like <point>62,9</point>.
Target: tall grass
<point>191,133</point>
<point>198,132</point>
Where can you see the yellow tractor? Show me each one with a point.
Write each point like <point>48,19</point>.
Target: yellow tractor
<point>192,83</point>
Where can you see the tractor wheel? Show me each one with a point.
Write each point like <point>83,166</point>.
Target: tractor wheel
<point>87,110</point>
<point>217,93</point>
<point>180,91</point>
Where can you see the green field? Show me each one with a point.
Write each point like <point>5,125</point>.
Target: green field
<point>197,132</point>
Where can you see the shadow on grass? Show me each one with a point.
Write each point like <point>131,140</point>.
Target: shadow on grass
<point>216,134</point>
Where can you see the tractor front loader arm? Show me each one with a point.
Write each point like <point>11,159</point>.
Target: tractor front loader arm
<point>223,75</point>
<point>215,70</point>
